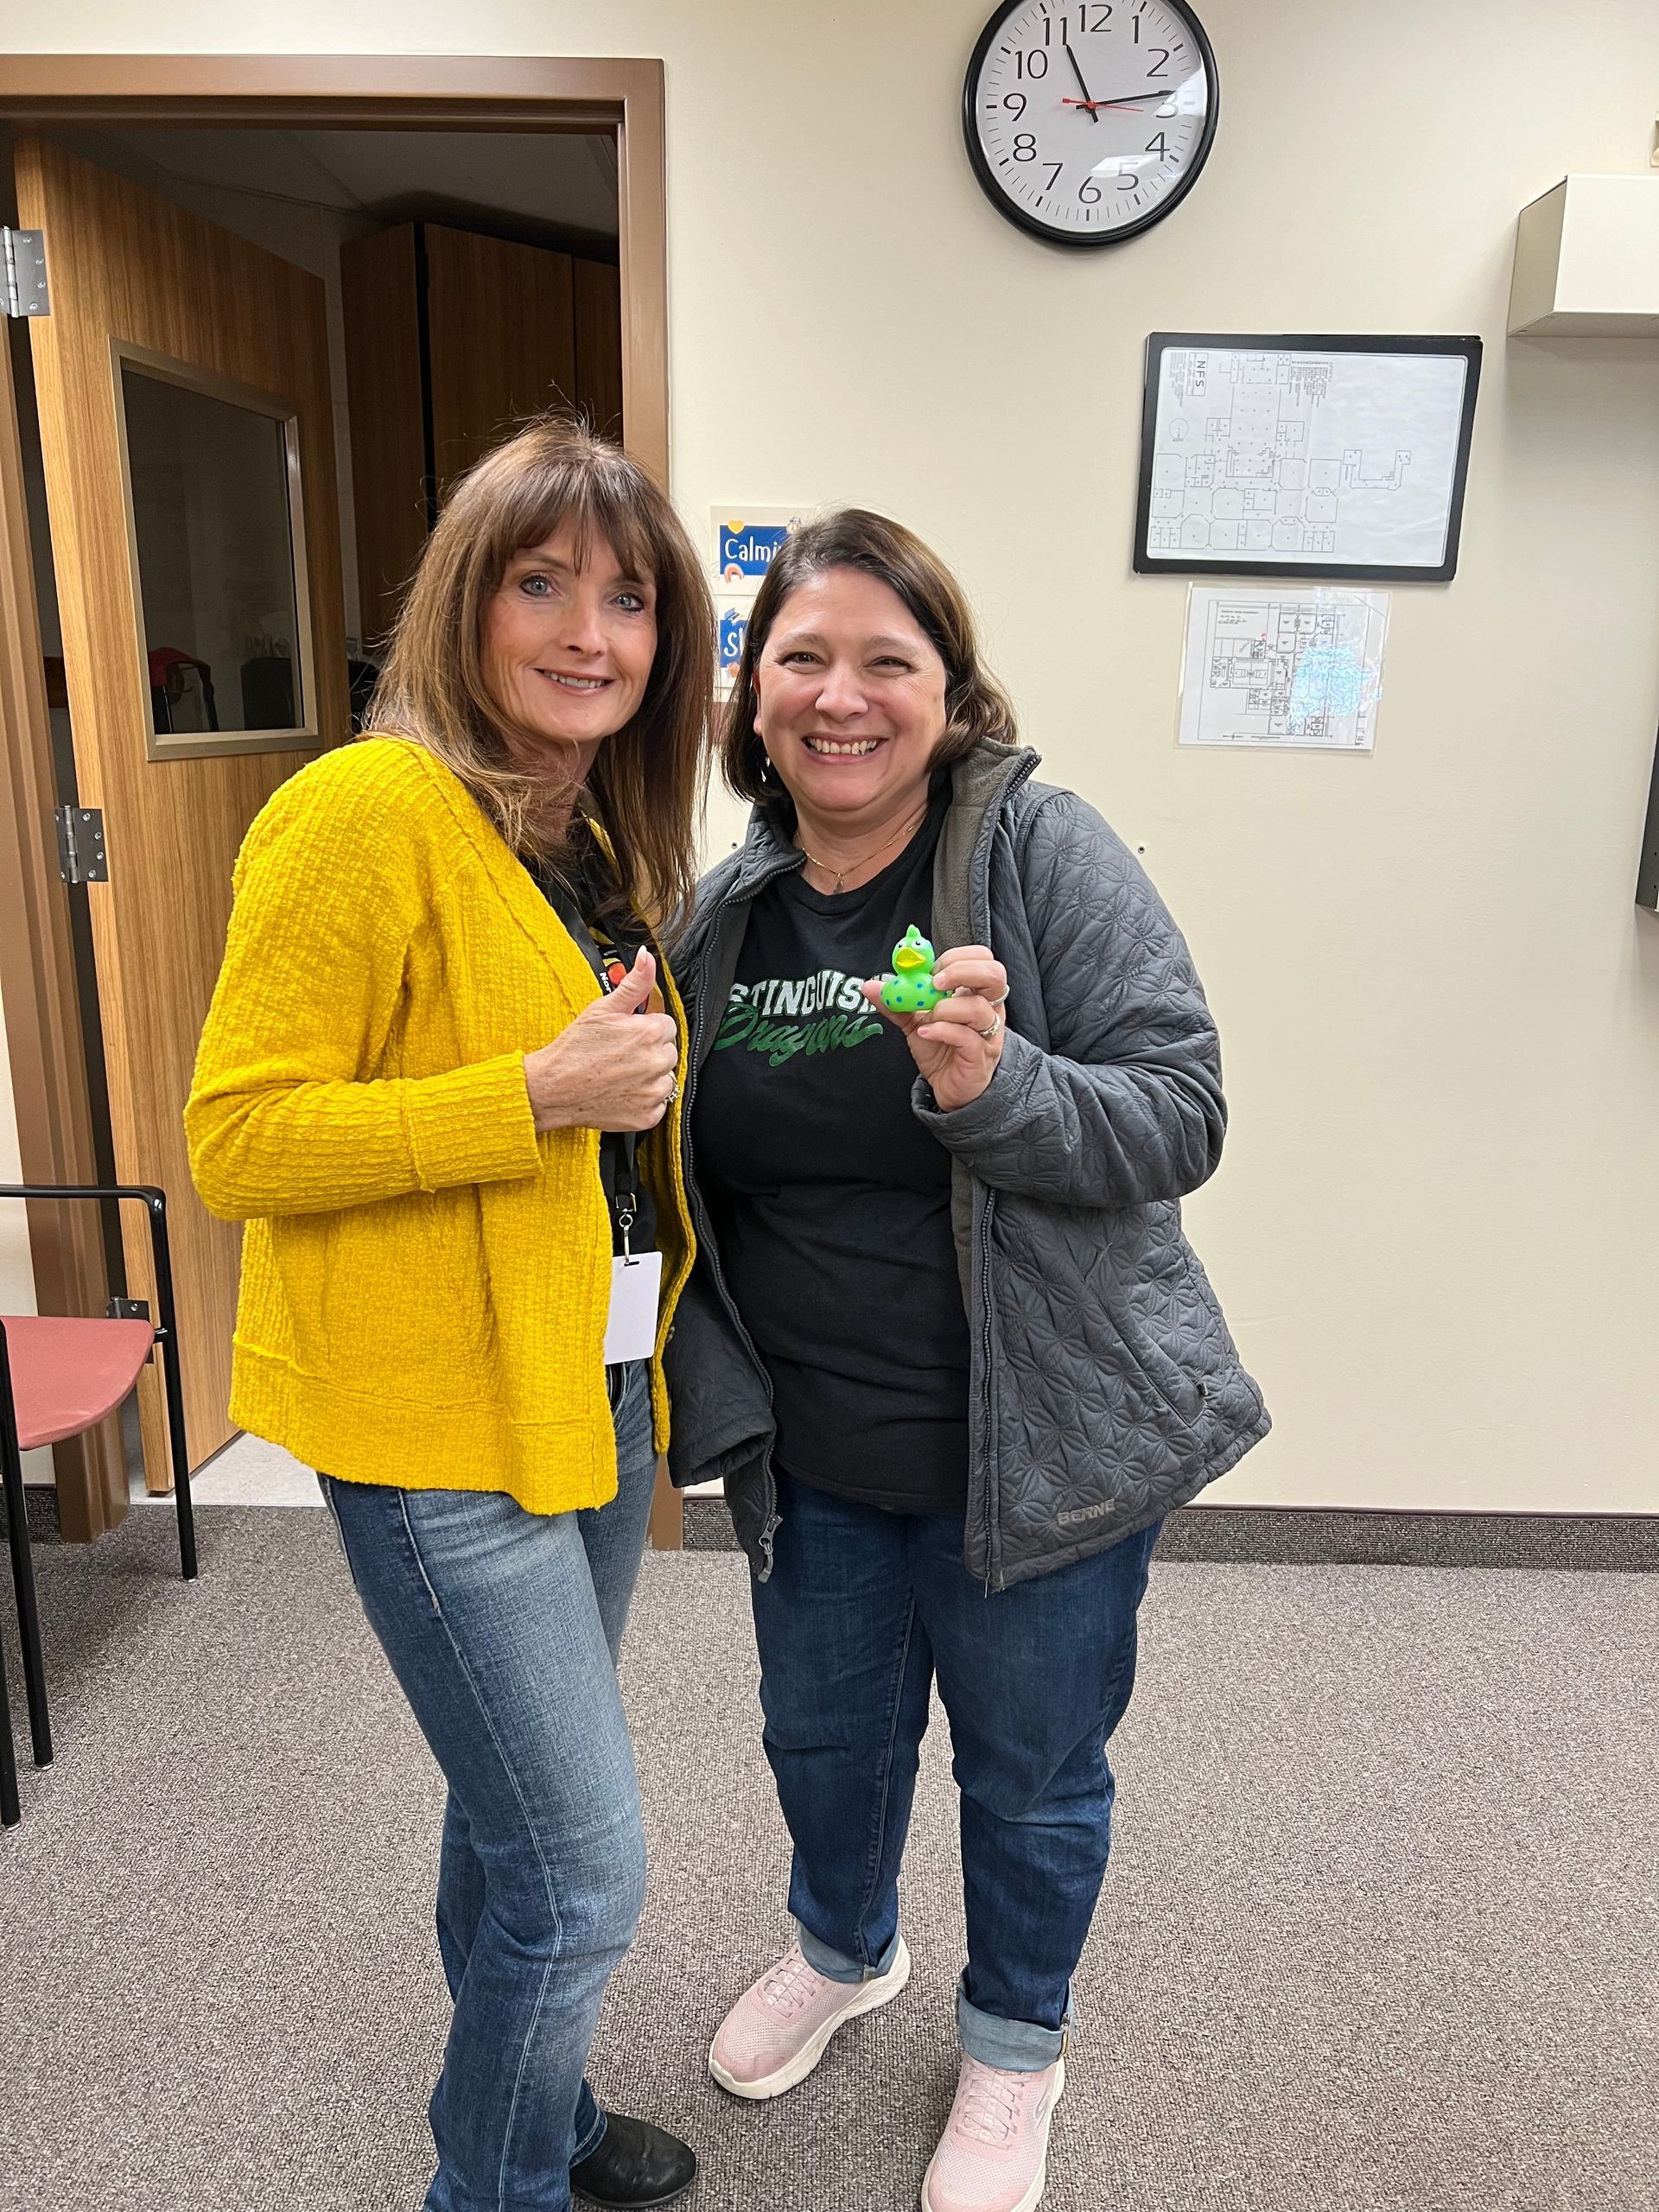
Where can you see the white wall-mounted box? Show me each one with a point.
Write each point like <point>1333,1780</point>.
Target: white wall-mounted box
<point>1587,261</point>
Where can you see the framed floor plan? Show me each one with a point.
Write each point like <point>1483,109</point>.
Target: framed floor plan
<point>1343,457</point>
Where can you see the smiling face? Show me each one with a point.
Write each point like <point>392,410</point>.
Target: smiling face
<point>568,649</point>
<point>850,693</point>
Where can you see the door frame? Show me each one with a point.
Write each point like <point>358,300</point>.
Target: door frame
<point>269,92</point>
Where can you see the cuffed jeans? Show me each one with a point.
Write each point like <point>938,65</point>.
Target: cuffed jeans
<point>862,1611</point>
<point>503,1629</point>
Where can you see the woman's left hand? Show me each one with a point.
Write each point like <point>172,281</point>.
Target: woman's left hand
<point>957,1047</point>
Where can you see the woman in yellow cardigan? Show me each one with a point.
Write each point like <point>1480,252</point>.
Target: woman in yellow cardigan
<point>440,1084</point>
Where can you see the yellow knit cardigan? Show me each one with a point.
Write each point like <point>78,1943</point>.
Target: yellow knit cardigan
<point>425,1279</point>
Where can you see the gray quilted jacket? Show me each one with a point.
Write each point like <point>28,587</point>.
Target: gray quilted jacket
<point>1105,1389</point>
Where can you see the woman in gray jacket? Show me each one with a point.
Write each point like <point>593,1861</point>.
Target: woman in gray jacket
<point>945,1341</point>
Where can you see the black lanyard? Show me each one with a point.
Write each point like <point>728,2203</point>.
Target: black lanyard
<point>618,1148</point>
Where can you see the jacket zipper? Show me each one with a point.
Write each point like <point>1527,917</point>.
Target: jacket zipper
<point>700,1221</point>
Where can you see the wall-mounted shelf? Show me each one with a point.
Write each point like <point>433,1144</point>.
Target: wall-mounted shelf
<point>1587,261</point>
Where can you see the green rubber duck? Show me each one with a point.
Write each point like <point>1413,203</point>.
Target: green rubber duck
<point>911,988</point>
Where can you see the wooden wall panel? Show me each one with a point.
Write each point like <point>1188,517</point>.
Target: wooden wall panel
<point>501,340</point>
<point>387,410</point>
<point>599,344</point>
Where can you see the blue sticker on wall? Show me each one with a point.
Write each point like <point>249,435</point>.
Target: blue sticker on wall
<point>733,628</point>
<point>747,548</point>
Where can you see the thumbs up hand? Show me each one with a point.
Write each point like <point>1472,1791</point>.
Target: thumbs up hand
<point>632,992</point>
<point>613,1068</point>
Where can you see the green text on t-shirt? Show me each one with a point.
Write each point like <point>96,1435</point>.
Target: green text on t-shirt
<point>820,1013</point>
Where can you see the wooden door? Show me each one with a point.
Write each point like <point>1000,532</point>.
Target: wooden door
<point>182,380</point>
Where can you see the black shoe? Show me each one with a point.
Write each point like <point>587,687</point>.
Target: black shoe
<point>636,2165</point>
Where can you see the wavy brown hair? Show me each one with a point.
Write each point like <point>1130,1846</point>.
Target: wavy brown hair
<point>975,705</point>
<point>646,784</point>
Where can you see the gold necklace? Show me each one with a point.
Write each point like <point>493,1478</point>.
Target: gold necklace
<point>852,867</point>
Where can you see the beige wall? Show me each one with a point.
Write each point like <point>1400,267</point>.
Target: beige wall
<point>1435,1228</point>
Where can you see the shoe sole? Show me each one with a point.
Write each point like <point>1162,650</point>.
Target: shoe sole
<point>1033,2195</point>
<point>870,1999</point>
<point>635,2203</point>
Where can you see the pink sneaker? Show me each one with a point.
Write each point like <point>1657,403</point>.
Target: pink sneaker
<point>993,2155</point>
<point>780,2028</point>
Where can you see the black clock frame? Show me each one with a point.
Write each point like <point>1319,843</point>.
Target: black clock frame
<point>1032,224</point>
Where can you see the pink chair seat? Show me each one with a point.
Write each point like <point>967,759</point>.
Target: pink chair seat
<point>67,1374</point>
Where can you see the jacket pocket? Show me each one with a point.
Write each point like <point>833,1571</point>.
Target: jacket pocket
<point>1185,1399</point>
<point>404,1300</point>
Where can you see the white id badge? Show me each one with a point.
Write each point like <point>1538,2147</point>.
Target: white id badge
<point>635,1293</point>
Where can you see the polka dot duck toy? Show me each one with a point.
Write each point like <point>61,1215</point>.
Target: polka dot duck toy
<point>911,988</point>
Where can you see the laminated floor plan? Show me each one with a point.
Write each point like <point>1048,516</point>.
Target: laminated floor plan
<point>1287,668</point>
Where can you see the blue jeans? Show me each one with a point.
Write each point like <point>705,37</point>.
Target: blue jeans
<point>503,1629</point>
<point>863,1610</point>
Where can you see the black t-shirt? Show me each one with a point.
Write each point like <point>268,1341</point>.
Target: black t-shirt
<point>577,893</point>
<point>831,1203</point>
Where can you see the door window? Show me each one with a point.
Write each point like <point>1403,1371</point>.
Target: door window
<point>214,510</point>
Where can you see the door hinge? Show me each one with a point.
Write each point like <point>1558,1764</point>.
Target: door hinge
<point>81,857</point>
<point>23,272</point>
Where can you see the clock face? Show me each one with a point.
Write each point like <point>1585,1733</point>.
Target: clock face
<point>1085,124</point>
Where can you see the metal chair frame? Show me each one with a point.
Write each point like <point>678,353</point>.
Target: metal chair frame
<point>165,1325</point>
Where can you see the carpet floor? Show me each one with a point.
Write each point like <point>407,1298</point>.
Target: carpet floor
<point>1381,1933</point>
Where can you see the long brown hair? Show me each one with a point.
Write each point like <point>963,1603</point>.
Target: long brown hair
<point>645,783</point>
<point>975,705</point>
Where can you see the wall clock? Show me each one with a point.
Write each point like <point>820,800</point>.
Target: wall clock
<point>1087,124</point>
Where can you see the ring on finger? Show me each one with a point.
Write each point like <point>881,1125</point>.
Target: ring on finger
<point>994,1026</point>
<point>673,1091</point>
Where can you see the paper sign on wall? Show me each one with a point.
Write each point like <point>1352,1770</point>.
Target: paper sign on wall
<point>733,627</point>
<point>1295,670</point>
<point>744,541</point>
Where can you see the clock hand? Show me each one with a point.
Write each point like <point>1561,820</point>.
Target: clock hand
<point>1085,102</point>
<point>1125,100</point>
